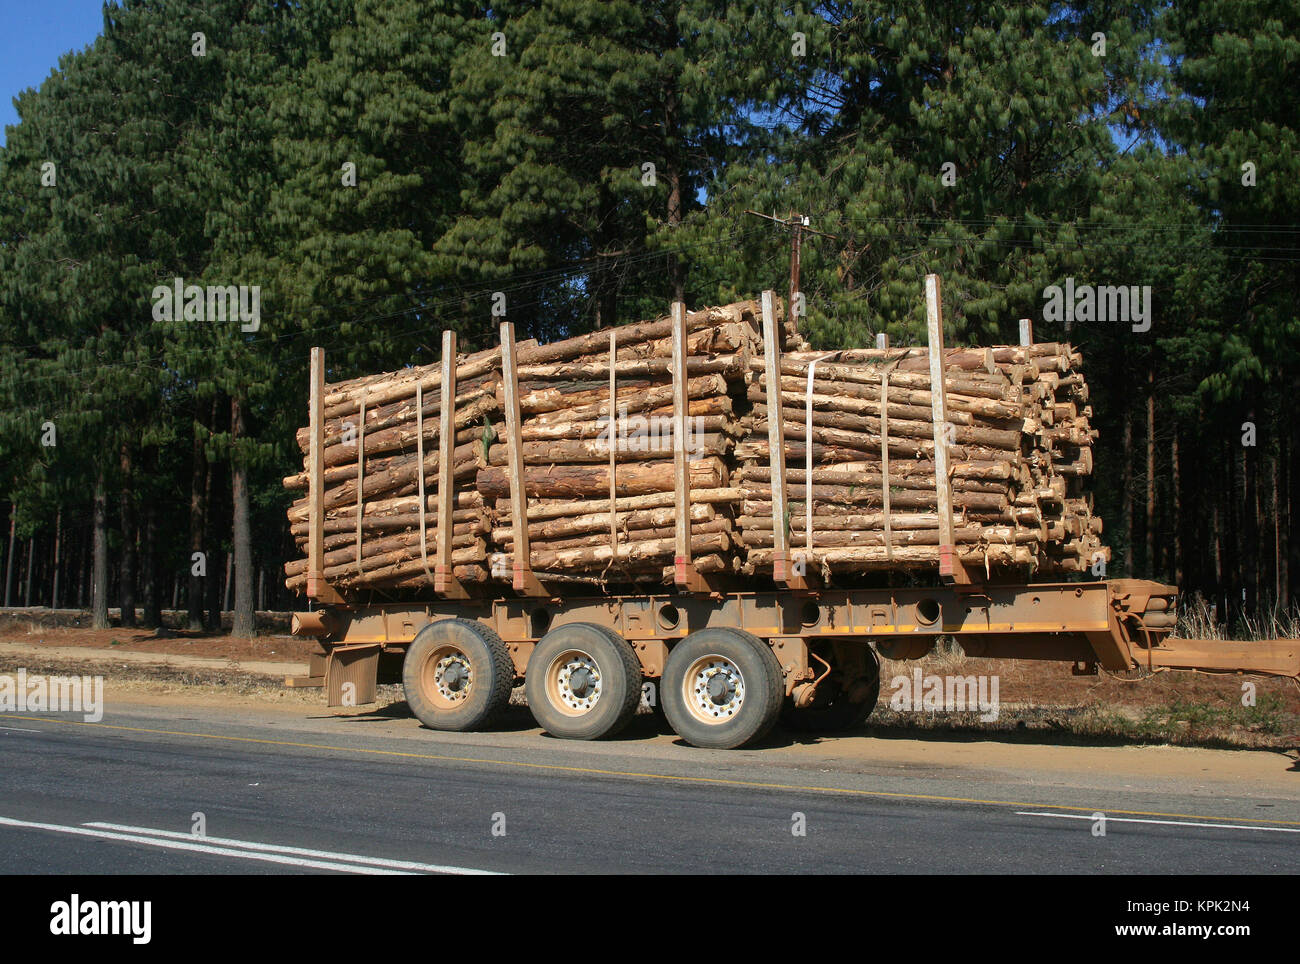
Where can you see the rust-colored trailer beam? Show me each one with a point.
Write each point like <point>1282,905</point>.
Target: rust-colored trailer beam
<point>1082,623</point>
<point>866,614</point>
<point>1271,657</point>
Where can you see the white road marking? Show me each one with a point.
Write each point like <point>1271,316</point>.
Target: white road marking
<point>243,849</point>
<point>195,847</point>
<point>401,865</point>
<point>1167,823</point>
<point>20,729</point>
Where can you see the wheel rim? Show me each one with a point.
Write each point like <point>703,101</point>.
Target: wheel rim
<point>447,677</point>
<point>573,683</point>
<point>713,689</point>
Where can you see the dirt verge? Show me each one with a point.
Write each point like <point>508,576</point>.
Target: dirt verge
<point>1038,702</point>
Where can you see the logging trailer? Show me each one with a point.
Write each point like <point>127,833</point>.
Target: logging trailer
<point>727,660</point>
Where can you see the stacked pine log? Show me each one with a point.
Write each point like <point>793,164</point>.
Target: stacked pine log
<point>600,477</point>
<point>1065,431</point>
<point>1019,448</point>
<point>596,446</point>
<point>380,439</point>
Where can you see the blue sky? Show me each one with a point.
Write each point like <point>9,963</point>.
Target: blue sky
<point>33,35</point>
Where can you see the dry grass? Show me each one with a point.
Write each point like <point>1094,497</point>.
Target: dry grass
<point>1196,620</point>
<point>1183,709</point>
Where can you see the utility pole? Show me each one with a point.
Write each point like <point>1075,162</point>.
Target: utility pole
<point>798,225</point>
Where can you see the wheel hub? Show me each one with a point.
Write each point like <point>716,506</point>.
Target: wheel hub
<point>721,689</point>
<point>577,683</point>
<point>453,677</point>
<point>714,689</point>
<point>580,682</point>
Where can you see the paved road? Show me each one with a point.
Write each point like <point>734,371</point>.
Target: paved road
<point>302,789</point>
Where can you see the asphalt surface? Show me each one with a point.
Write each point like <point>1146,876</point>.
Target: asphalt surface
<point>303,790</point>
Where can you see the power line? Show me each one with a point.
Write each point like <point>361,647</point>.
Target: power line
<point>533,281</point>
<point>542,279</point>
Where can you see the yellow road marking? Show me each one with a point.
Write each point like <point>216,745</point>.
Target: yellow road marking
<point>714,781</point>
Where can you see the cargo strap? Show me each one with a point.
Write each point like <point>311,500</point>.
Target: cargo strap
<point>611,439</point>
<point>419,474</point>
<point>884,460</point>
<point>807,452</point>
<point>361,471</point>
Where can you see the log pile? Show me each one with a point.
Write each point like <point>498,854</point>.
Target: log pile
<point>1019,449</point>
<point>380,451</point>
<point>595,449</point>
<point>600,479</point>
<point>380,457</point>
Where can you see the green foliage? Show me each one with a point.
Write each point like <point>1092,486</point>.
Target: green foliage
<point>1234,104</point>
<point>1006,100</point>
<point>1190,719</point>
<point>380,167</point>
<point>586,142</point>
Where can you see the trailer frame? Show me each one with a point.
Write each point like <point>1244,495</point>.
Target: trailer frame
<point>1118,624</point>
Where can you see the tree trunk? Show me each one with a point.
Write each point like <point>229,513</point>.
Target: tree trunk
<point>9,566</point>
<point>58,539</point>
<point>1126,488</point>
<point>1152,565</point>
<point>605,278</point>
<point>198,510</point>
<point>213,622</point>
<point>127,571</point>
<point>1175,506</point>
<point>27,584</point>
<point>1232,538</point>
<point>1277,532</point>
<point>1291,488</point>
<point>83,571</point>
<point>149,566</point>
<point>674,176</point>
<point>99,575</point>
<point>1284,523</point>
<point>1248,558</point>
<point>1217,490</point>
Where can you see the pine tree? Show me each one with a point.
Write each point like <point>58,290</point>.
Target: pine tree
<point>590,130</point>
<point>369,177</point>
<point>1233,112</point>
<point>964,140</point>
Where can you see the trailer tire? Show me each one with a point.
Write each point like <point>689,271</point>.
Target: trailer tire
<point>457,675</point>
<point>583,682</point>
<point>722,688</point>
